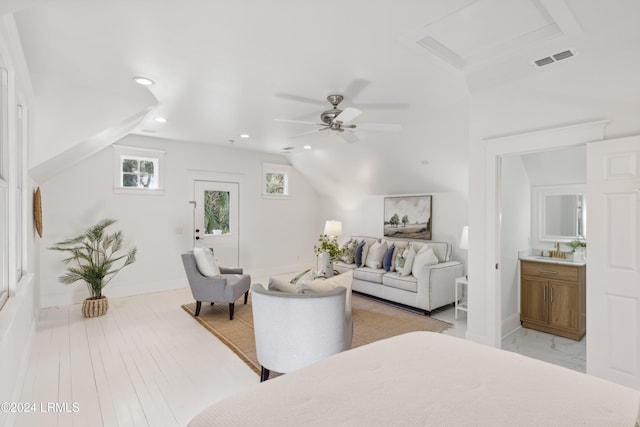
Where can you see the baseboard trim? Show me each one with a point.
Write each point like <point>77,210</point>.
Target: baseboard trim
<point>510,325</point>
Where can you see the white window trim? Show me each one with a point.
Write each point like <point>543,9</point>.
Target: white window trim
<point>123,150</point>
<point>273,167</point>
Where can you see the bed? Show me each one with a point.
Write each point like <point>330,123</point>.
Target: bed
<point>428,379</point>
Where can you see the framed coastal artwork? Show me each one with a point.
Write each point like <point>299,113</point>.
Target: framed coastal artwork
<point>408,217</point>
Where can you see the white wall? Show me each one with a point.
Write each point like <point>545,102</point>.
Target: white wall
<point>363,216</point>
<point>275,235</point>
<point>515,214</point>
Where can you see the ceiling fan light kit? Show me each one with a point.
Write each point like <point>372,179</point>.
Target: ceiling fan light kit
<point>337,120</point>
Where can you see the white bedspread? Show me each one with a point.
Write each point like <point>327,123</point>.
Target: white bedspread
<point>428,379</point>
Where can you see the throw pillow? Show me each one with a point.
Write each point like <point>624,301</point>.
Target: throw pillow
<point>409,255</point>
<point>422,259</point>
<point>365,252</point>
<point>281,285</point>
<point>316,286</point>
<point>375,255</point>
<point>206,262</point>
<point>358,257</point>
<point>349,251</point>
<point>297,278</point>
<point>400,260</point>
<point>387,261</point>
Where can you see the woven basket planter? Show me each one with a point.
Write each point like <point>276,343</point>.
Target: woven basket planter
<point>95,306</point>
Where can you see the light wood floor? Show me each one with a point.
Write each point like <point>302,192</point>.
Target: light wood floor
<point>146,363</point>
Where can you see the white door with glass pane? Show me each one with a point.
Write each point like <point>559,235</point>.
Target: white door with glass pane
<point>613,260</point>
<point>216,222</point>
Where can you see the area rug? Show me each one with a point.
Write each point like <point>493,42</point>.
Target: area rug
<point>373,320</point>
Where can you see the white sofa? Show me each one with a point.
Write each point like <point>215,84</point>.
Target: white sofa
<point>426,288</point>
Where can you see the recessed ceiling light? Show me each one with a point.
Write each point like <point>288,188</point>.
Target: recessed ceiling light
<point>307,147</point>
<point>244,135</point>
<point>160,120</point>
<point>144,81</point>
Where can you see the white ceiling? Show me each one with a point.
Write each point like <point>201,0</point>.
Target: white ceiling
<point>227,67</point>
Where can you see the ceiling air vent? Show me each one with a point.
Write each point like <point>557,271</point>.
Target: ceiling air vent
<point>288,148</point>
<point>563,55</point>
<point>554,58</point>
<point>544,61</point>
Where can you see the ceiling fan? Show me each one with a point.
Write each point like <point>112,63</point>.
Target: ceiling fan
<point>338,121</point>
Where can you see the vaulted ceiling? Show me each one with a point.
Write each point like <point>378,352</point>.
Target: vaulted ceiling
<point>227,67</point>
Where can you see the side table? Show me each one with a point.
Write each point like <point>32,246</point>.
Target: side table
<point>461,304</point>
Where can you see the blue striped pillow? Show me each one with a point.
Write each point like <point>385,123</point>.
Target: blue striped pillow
<point>388,258</point>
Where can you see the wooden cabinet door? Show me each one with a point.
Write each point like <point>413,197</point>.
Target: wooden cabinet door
<point>563,308</point>
<point>534,300</point>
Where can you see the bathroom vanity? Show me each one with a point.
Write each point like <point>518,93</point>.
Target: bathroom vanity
<point>552,296</point>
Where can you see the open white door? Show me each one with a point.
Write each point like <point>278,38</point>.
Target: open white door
<point>613,260</point>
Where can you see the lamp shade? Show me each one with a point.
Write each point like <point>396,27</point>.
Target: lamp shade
<point>333,228</point>
<point>464,238</point>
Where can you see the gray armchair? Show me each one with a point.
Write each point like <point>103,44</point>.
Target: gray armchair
<point>296,330</point>
<point>227,288</point>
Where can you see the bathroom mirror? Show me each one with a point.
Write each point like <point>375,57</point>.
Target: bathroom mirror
<point>561,213</point>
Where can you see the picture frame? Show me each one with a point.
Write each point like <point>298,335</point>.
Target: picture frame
<point>408,217</point>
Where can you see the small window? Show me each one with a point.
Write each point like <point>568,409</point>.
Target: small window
<point>275,180</point>
<point>138,170</point>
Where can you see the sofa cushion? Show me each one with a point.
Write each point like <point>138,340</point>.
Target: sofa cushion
<point>387,260</point>
<point>375,255</point>
<point>423,258</point>
<point>394,280</point>
<point>369,274</point>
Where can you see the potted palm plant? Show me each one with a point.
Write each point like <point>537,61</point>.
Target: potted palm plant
<point>95,257</point>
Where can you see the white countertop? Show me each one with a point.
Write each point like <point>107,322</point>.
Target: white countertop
<point>549,260</point>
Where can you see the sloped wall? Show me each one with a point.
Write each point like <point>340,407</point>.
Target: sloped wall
<point>276,235</point>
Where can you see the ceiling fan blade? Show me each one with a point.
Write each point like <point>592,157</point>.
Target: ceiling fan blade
<point>347,115</point>
<point>350,137</point>
<point>308,132</point>
<point>381,105</point>
<point>380,127</point>
<point>354,88</point>
<point>297,121</point>
<point>301,99</point>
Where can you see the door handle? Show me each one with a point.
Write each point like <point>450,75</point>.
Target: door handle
<point>547,272</point>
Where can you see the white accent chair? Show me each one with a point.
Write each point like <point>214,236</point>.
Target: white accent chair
<point>294,330</point>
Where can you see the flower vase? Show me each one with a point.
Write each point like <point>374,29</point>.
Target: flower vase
<point>327,264</point>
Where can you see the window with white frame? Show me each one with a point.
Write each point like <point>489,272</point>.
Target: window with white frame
<point>275,180</point>
<point>20,159</point>
<point>138,169</point>
<point>5,203</point>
